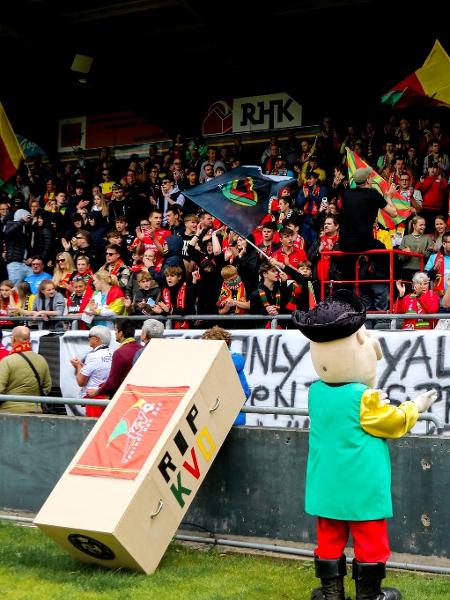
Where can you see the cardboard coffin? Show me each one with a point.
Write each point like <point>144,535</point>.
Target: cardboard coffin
<point>123,496</point>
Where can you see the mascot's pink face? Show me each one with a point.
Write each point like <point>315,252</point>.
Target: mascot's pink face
<point>350,359</point>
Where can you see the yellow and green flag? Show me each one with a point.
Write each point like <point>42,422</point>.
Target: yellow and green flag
<point>381,185</point>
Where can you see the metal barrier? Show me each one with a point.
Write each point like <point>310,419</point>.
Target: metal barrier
<point>168,321</point>
<point>266,410</point>
<point>392,252</point>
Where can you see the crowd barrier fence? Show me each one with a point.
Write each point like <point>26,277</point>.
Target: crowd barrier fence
<point>357,281</point>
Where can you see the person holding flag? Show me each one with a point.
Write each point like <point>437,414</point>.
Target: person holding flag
<point>282,290</point>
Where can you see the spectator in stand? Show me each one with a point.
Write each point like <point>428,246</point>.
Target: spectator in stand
<point>174,220</point>
<point>63,273</point>
<point>17,242</point>
<point>422,300</point>
<point>385,162</point>
<point>328,240</point>
<point>17,377</point>
<point>79,200</point>
<point>83,269</point>
<point>96,226</point>
<point>94,370</point>
<point>274,296</point>
<point>416,241</point>
<point>442,138</point>
<point>68,240</point>
<point>267,245</point>
<point>339,185</point>
<point>79,299</point>
<point>120,205</point>
<point>122,359</point>
<point>108,298</point>
<point>285,208</point>
<point>151,329</point>
<point>440,227</point>
<point>83,247</point>
<point>107,184</point>
<point>433,188</point>
<point>287,253</point>
<point>25,299</point>
<point>147,295</point>
<point>8,301</point>
<point>48,303</point>
<point>407,191</point>
<point>208,171</point>
<point>312,166</point>
<point>37,275</point>
<point>308,201</point>
<point>177,172</point>
<point>232,297</point>
<point>213,160</point>
<point>3,351</point>
<point>270,156</point>
<point>115,266</point>
<point>151,236</point>
<point>412,163</point>
<point>41,237</point>
<point>438,268</point>
<point>217,333</point>
<point>435,155</point>
<point>293,223</point>
<point>177,297</point>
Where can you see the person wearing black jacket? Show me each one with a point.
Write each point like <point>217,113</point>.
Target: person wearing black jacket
<point>17,241</point>
<point>41,236</point>
<point>275,295</point>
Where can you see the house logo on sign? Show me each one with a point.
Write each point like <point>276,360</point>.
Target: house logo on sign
<point>263,113</point>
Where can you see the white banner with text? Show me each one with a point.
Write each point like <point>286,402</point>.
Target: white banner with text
<point>279,369</point>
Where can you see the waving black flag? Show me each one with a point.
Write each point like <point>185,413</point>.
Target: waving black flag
<point>239,198</point>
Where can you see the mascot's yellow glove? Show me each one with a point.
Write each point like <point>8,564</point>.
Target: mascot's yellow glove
<point>381,419</point>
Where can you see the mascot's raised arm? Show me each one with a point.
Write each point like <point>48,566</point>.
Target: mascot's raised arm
<point>348,479</point>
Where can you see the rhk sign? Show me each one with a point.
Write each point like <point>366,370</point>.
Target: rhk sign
<point>262,113</point>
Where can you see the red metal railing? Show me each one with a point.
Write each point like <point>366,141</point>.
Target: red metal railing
<point>357,281</point>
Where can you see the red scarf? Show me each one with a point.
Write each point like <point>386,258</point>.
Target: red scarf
<point>438,285</point>
<point>22,347</point>
<point>323,266</point>
<point>118,264</point>
<point>181,304</point>
<point>315,191</point>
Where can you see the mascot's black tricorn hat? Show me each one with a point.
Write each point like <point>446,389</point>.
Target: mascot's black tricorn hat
<point>336,317</point>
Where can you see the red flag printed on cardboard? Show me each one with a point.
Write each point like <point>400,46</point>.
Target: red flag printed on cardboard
<point>130,432</point>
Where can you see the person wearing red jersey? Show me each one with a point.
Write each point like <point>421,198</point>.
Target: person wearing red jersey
<point>287,254</point>
<point>421,301</point>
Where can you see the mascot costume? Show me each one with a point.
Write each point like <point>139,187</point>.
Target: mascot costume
<point>348,477</point>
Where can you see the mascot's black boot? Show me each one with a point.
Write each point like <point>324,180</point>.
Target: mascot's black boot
<point>368,577</point>
<point>331,574</point>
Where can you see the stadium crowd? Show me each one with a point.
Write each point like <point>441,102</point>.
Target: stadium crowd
<point>107,237</point>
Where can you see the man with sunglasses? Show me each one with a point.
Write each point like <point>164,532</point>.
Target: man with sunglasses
<point>115,265</point>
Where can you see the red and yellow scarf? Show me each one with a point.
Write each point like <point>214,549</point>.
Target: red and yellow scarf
<point>233,289</point>
<point>22,347</point>
<point>438,284</point>
<point>180,304</point>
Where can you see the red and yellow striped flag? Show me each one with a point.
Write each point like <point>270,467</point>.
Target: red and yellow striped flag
<point>11,152</point>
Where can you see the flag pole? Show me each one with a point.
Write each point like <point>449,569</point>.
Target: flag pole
<point>266,256</point>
